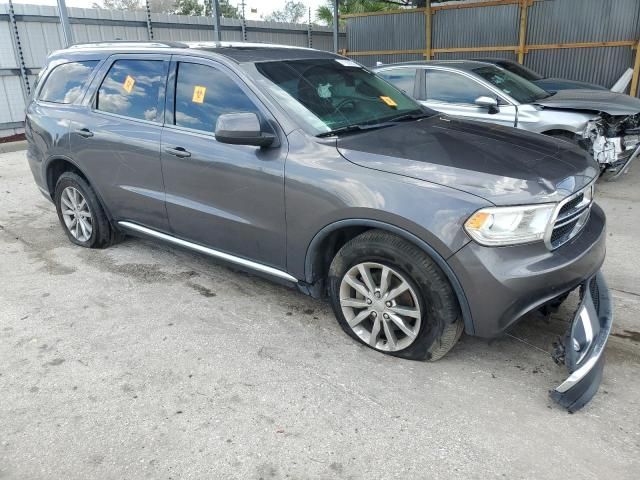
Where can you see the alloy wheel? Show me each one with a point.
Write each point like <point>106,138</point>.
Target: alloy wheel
<point>380,306</point>
<point>76,214</point>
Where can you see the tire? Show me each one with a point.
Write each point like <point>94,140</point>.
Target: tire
<point>433,323</point>
<point>71,190</point>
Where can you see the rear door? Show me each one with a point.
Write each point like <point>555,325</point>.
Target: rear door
<point>455,93</point>
<point>115,138</point>
<point>227,197</point>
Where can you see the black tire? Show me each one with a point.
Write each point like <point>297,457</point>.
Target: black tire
<point>441,324</point>
<point>102,234</point>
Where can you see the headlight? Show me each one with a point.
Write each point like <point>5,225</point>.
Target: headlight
<point>498,226</point>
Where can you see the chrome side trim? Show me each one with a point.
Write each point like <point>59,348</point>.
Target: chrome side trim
<point>258,267</point>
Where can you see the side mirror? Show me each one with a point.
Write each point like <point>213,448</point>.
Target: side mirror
<point>489,103</point>
<point>242,129</point>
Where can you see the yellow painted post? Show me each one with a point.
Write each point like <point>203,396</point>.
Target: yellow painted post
<point>636,72</point>
<point>524,8</point>
<point>427,22</point>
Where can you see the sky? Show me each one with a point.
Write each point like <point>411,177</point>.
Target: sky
<point>262,7</point>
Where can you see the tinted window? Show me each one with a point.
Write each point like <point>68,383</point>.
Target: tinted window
<point>203,93</point>
<point>517,87</point>
<point>518,69</point>
<point>133,88</point>
<point>66,82</point>
<point>453,87</point>
<point>403,78</point>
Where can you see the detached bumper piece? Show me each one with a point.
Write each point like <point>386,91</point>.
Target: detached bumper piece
<point>584,345</point>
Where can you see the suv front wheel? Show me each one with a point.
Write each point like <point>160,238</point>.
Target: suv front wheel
<point>391,296</point>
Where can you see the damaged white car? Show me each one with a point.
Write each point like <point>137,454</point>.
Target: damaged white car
<point>605,124</point>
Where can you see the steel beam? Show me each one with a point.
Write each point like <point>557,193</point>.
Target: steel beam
<point>67,34</point>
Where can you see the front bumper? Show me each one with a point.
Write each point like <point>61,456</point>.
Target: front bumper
<point>584,345</point>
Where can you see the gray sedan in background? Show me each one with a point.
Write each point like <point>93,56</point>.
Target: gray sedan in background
<point>605,124</point>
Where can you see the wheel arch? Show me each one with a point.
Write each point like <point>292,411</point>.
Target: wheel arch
<point>59,164</point>
<point>323,242</point>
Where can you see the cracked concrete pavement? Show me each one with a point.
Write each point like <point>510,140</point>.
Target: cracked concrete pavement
<point>143,361</point>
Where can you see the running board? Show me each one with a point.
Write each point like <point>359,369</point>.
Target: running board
<point>243,262</point>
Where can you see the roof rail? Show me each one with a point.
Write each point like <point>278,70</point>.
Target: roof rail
<point>132,43</point>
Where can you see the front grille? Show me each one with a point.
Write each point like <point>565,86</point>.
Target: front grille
<point>572,216</point>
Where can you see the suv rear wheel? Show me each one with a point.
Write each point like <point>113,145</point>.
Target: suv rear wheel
<point>391,296</point>
<point>81,214</point>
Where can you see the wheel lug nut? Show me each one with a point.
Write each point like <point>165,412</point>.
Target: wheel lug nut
<point>368,301</point>
<point>388,304</point>
<point>374,314</point>
<point>377,294</point>
<point>386,316</point>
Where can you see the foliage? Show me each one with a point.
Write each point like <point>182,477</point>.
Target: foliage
<point>293,12</point>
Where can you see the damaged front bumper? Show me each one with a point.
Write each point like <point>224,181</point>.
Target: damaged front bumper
<point>583,345</point>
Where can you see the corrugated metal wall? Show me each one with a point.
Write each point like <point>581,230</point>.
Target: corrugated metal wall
<point>549,22</point>
<point>40,33</point>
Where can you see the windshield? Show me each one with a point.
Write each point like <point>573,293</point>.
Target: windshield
<point>331,94</point>
<point>518,88</point>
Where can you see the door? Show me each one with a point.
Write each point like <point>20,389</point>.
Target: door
<point>115,137</point>
<point>454,93</point>
<point>226,197</point>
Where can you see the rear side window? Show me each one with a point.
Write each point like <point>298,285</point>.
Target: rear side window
<point>203,93</point>
<point>133,88</point>
<point>403,78</point>
<point>66,82</point>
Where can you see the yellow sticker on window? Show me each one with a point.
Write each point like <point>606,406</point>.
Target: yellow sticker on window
<point>198,94</point>
<point>389,101</point>
<point>128,84</point>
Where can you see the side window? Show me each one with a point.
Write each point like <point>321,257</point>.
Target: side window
<point>443,86</point>
<point>402,78</point>
<point>66,82</point>
<point>133,88</point>
<point>203,93</point>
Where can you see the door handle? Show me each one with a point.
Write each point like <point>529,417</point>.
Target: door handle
<point>85,132</point>
<point>179,152</point>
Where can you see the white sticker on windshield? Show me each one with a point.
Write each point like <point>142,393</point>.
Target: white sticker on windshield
<point>347,63</point>
<point>324,90</point>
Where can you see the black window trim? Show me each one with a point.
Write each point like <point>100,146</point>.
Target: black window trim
<point>104,71</point>
<point>501,95</point>
<point>170,96</point>
<point>54,65</point>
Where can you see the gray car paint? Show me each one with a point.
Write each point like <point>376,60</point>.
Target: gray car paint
<point>326,185</point>
<point>553,84</point>
<point>593,100</point>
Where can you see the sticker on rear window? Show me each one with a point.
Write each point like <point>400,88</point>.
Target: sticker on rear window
<point>389,101</point>
<point>128,84</point>
<point>198,94</point>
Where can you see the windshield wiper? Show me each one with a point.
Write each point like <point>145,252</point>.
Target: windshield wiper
<point>352,128</point>
<point>408,116</point>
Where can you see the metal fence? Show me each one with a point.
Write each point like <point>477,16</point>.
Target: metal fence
<point>589,40</point>
<point>28,33</point>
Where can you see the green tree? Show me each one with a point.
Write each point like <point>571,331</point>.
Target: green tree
<point>324,13</point>
<point>293,12</point>
<point>195,8</point>
<point>129,5</point>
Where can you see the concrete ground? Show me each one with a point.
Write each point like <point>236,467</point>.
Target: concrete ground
<point>142,361</point>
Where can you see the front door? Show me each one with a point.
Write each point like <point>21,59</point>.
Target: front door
<point>226,197</point>
<point>115,136</point>
<point>455,94</point>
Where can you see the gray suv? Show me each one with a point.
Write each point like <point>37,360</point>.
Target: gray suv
<point>307,168</point>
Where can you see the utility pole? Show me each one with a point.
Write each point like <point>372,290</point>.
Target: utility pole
<point>215,13</point>
<point>64,20</point>
<point>244,22</point>
<point>335,25</point>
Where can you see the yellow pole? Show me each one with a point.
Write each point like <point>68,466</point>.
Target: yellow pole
<point>636,73</point>
<point>427,22</point>
<point>524,8</point>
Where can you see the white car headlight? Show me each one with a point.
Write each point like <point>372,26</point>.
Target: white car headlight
<point>500,226</point>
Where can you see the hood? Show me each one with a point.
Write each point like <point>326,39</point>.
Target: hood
<point>596,100</point>
<point>500,164</point>
<point>556,84</point>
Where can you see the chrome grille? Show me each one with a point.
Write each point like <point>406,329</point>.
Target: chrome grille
<point>570,217</point>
